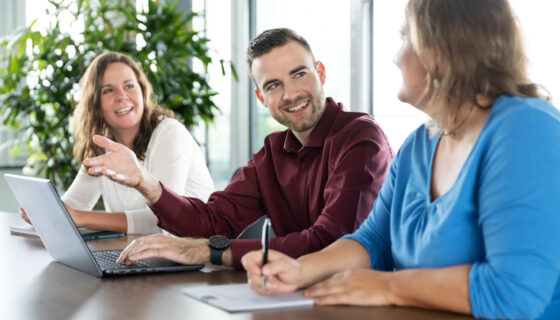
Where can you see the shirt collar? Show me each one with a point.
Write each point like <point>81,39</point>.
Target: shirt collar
<point>317,136</point>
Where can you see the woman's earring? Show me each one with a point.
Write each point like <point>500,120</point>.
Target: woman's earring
<point>436,83</point>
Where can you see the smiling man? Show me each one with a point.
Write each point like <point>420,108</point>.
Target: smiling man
<point>316,181</point>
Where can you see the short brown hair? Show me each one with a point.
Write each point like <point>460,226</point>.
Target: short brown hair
<point>273,38</point>
<point>478,48</point>
<point>88,116</point>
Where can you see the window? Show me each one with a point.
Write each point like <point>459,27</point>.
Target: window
<point>327,25</point>
<point>538,18</point>
<point>12,16</point>
<point>398,120</point>
<point>215,20</point>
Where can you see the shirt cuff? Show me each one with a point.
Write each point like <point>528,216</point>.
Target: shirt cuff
<point>239,247</point>
<point>162,204</point>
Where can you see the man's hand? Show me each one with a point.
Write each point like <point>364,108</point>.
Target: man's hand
<point>121,165</point>
<point>181,250</point>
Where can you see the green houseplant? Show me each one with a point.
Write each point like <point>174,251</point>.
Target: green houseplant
<point>40,71</point>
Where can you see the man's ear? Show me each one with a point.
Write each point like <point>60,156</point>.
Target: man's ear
<point>258,94</point>
<point>321,71</point>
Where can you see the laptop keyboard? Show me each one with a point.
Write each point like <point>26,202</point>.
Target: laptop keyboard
<point>108,261</point>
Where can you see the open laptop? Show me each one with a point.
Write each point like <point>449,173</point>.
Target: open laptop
<point>62,239</point>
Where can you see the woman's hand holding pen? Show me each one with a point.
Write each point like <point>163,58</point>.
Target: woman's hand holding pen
<point>283,273</point>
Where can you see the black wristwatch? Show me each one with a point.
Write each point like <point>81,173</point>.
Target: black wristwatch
<point>218,244</point>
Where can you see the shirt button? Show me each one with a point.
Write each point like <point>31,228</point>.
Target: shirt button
<point>301,204</point>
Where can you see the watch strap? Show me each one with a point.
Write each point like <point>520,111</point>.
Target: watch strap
<point>216,256</point>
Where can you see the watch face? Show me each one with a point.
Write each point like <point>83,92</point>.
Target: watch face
<point>219,242</point>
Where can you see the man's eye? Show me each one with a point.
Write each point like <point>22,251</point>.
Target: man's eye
<point>300,74</point>
<point>273,86</point>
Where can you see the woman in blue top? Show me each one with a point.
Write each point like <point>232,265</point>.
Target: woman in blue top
<point>468,218</point>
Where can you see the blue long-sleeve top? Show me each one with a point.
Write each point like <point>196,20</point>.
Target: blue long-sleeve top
<point>502,215</point>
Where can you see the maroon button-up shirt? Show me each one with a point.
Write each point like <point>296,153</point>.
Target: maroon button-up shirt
<point>313,194</point>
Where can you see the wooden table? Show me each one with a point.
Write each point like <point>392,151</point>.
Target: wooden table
<point>33,286</point>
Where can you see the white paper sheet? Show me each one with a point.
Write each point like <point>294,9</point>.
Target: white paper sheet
<point>239,297</point>
<point>23,229</point>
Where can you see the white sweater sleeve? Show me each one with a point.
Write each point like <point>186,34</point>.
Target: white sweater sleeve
<point>173,157</point>
<point>83,192</point>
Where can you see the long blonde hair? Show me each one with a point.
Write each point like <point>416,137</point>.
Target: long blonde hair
<point>88,115</point>
<point>469,48</point>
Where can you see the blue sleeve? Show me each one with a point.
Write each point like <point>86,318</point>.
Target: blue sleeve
<point>519,217</point>
<point>374,233</point>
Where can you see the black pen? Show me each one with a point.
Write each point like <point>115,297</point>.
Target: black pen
<point>265,245</point>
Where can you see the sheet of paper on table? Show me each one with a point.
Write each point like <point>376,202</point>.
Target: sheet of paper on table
<point>239,297</point>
